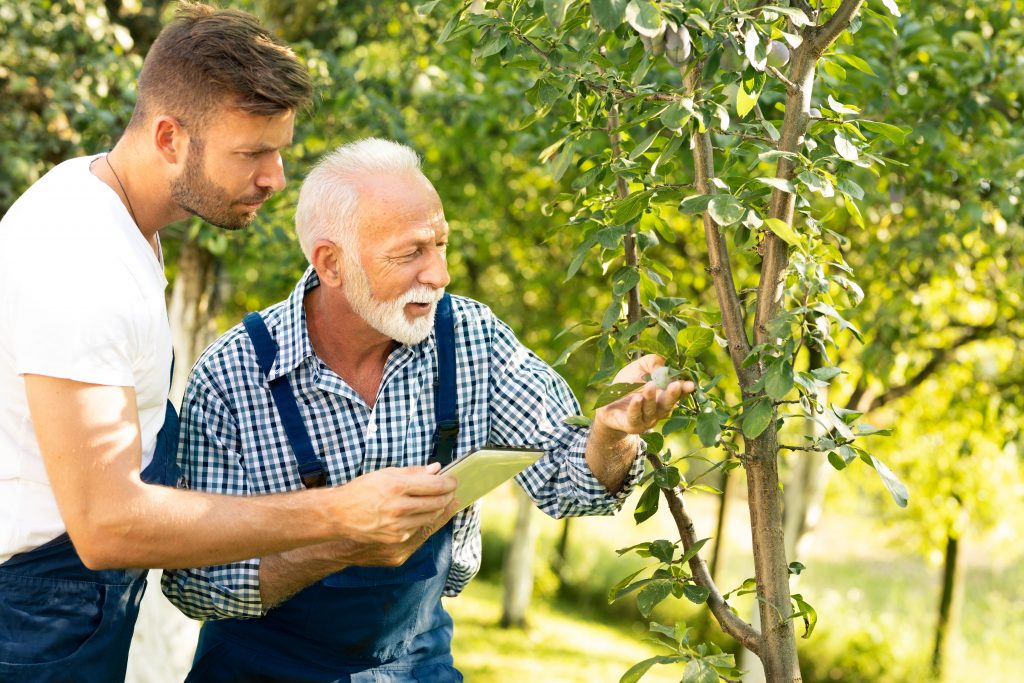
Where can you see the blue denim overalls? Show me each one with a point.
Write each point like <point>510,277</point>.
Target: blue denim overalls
<point>61,622</point>
<point>362,624</point>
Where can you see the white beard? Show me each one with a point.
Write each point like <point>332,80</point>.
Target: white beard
<point>388,317</point>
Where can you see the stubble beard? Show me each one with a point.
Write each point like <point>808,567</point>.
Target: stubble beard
<point>197,194</point>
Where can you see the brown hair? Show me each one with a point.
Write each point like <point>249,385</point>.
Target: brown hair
<point>208,58</point>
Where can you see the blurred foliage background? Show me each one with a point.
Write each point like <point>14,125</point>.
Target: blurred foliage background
<point>939,259</point>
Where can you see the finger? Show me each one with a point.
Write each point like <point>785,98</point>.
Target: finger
<point>429,485</point>
<point>415,505</point>
<point>635,411</point>
<point>668,398</point>
<point>650,406</point>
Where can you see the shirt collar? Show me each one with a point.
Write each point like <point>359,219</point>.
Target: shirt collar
<point>292,334</point>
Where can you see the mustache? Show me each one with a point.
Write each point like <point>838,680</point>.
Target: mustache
<point>256,199</point>
<point>422,294</point>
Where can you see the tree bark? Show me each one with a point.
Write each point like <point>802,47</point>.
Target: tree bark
<point>518,570</point>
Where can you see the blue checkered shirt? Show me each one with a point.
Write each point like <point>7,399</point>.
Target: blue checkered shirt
<point>233,441</point>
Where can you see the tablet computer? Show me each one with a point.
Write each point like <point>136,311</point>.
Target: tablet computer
<point>486,468</point>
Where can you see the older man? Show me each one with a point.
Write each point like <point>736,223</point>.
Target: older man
<point>367,385</point>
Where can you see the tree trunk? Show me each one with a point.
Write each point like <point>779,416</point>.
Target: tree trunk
<point>949,604</point>
<point>518,571</point>
<point>562,553</point>
<point>715,562</point>
<point>191,310</point>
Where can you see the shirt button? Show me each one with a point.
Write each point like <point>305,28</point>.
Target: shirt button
<point>371,429</point>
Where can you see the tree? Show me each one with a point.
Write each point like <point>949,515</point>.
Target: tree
<point>626,84</point>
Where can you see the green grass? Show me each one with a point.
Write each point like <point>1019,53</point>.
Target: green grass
<point>562,644</point>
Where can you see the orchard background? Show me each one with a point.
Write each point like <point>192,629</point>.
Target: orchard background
<point>812,209</point>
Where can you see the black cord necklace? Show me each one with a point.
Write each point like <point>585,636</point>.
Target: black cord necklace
<point>131,210</point>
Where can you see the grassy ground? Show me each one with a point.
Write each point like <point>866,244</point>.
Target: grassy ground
<point>876,602</point>
<point>563,644</point>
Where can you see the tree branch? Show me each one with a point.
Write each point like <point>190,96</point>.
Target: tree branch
<point>863,401</point>
<point>819,38</point>
<point>743,632</point>
<point>629,239</point>
<point>719,266</point>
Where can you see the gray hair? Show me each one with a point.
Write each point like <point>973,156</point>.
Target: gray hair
<point>328,200</point>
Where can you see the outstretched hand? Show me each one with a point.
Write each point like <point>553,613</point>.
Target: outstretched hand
<point>639,411</point>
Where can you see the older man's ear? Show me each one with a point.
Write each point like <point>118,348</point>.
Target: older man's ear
<point>329,262</point>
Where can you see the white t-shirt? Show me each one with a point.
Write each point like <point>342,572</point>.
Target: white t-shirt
<point>81,298</point>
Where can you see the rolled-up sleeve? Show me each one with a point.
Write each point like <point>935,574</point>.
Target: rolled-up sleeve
<point>208,454</point>
<point>529,403</point>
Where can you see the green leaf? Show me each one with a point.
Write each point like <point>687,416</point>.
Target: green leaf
<point>614,392</point>
<point>643,145</point>
<point>807,612</point>
<point>694,340</point>
<point>894,134</point>
<point>745,101</point>
<point>848,187</point>
<point>697,671</point>
<point>696,594</point>
<point>892,7</point>
<point>696,203</point>
<point>896,488</point>
<point>845,147</point>
<point>446,32</point>
<point>637,671</point>
<point>857,63</point>
<point>651,594</point>
<point>827,373</point>
<point>555,9</point>
<point>726,209</point>
<point>562,161</point>
<point>648,503</point>
<point>662,550</point>
<point>645,17</point>
<point>709,426</point>
<point>491,47</point>
<point>677,423</point>
<point>795,15</point>
<point>756,417</point>
<point>795,568</point>
<point>667,477</point>
<point>779,380</point>
<point>853,210</point>
<point>675,116</point>
<point>783,231</point>
<point>608,13</point>
<point>632,206</point>
<point>578,421</point>
<point>780,184</point>
<point>693,550</point>
<point>620,588</point>
<point>625,279</point>
<point>425,8</point>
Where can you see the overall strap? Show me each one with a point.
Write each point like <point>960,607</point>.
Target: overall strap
<point>311,468</point>
<point>445,409</point>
